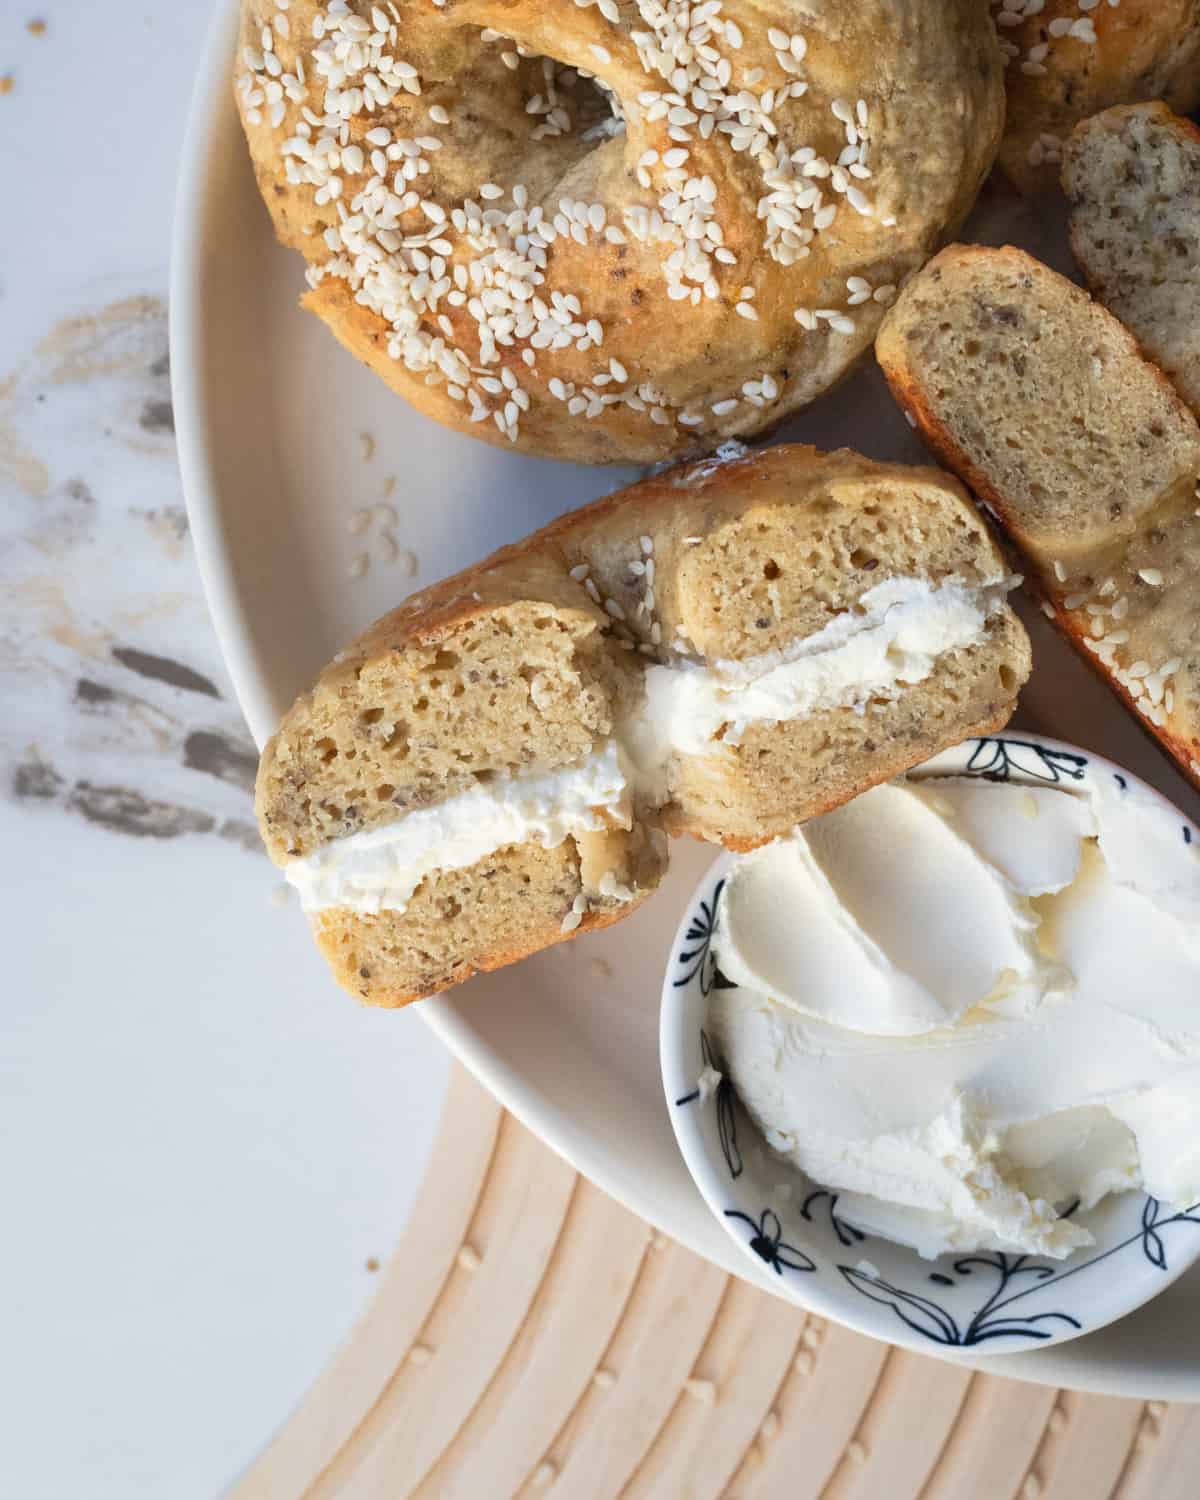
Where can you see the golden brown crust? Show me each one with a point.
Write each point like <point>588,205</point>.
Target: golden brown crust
<point>927,73</point>
<point>340,935</point>
<point>1143,50</point>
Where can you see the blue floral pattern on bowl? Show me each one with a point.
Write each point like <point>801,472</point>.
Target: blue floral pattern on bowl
<point>1004,1300</point>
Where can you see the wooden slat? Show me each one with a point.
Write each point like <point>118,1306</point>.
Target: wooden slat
<point>1165,1461</point>
<point>651,1355</point>
<point>992,1447</point>
<point>891,1438</point>
<point>830,1385</point>
<point>749,1349</point>
<point>515,1228</point>
<point>550,1363</point>
<point>1087,1443</point>
<point>531,1338</point>
<point>352,1383</point>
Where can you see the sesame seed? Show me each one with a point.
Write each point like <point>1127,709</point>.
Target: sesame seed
<point>1152,576</point>
<point>426,294</point>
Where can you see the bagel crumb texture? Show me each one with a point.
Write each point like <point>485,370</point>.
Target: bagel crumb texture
<point>614,232</point>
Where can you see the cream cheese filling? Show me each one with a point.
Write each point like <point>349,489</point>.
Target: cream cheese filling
<point>893,639</point>
<point>380,868</point>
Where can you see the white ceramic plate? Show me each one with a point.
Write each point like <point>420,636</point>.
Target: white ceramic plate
<point>282,439</point>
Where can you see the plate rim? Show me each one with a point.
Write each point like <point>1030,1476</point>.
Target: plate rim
<point>210,115</point>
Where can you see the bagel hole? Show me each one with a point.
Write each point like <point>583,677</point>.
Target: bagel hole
<point>594,112</point>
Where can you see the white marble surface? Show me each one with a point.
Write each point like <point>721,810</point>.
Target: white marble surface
<point>202,1144</point>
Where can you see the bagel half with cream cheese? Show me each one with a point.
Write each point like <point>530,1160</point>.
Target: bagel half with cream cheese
<point>724,650</point>
<point>614,232</point>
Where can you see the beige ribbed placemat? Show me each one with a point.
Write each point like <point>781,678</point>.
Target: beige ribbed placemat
<point>531,1338</point>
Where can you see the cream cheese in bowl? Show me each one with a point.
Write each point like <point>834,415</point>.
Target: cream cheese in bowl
<point>965,1004</point>
<point>962,1011</point>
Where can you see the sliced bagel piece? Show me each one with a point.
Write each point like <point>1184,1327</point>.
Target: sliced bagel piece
<point>1133,177</point>
<point>1043,402</point>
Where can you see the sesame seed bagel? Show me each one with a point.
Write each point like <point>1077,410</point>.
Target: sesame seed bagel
<point>1067,59</point>
<point>1043,402</point>
<point>614,232</point>
<point>586,657</point>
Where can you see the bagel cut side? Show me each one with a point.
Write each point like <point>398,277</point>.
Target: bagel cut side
<point>1083,451</point>
<point>1132,176</point>
<point>614,232</point>
<point>724,651</point>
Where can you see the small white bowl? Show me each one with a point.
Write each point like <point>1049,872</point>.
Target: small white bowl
<point>988,1300</point>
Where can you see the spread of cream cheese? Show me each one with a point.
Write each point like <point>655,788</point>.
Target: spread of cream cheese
<point>893,639</point>
<point>964,1004</point>
<point>890,640</point>
<point>382,867</point>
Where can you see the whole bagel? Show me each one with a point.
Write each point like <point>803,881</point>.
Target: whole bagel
<point>615,230</point>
